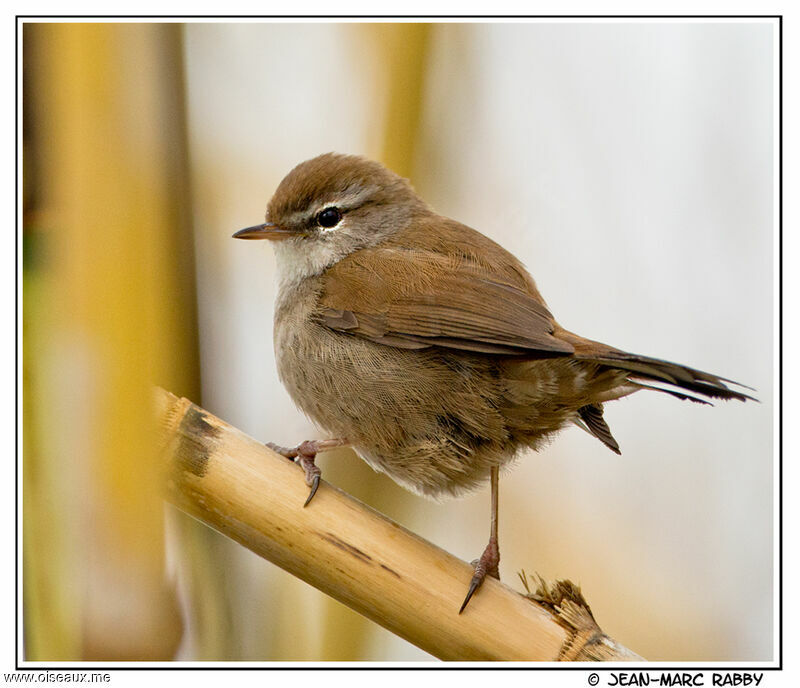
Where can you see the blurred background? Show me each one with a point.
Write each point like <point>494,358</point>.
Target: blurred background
<point>629,165</point>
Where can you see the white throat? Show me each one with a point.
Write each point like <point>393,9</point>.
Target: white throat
<point>298,259</point>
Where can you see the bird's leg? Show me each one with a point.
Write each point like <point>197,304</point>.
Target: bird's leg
<point>304,454</point>
<point>488,563</point>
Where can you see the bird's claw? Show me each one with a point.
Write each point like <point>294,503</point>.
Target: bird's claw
<point>304,455</point>
<point>487,565</point>
<point>313,474</point>
<point>474,584</point>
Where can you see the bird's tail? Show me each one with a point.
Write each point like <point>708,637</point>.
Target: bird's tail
<point>643,370</point>
<point>653,373</point>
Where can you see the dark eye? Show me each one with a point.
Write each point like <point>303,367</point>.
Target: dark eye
<point>329,217</point>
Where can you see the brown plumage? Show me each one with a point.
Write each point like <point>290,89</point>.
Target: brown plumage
<point>426,344</point>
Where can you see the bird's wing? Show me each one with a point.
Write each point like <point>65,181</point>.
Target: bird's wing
<point>418,299</point>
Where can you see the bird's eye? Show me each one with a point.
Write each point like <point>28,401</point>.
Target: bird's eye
<point>330,217</point>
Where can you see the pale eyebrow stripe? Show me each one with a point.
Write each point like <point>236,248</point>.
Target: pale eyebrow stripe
<point>349,199</point>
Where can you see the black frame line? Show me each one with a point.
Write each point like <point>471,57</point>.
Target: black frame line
<point>593,667</point>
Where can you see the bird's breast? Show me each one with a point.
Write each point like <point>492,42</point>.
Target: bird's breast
<point>428,418</point>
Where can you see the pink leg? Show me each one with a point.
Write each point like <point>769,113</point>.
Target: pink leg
<point>305,454</point>
<point>487,565</point>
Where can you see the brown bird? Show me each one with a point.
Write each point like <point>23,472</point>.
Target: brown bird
<point>424,345</point>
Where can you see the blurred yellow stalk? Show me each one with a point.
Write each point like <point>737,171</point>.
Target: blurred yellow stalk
<point>108,311</point>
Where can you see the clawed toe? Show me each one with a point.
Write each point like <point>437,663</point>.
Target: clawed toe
<point>304,455</point>
<point>487,565</point>
<point>314,486</point>
<point>474,584</point>
<point>312,473</point>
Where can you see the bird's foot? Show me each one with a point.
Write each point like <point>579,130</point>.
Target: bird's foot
<point>305,454</point>
<point>487,565</point>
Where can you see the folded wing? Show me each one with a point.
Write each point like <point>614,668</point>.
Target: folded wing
<point>418,299</point>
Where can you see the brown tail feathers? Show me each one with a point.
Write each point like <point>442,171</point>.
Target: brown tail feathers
<point>644,368</point>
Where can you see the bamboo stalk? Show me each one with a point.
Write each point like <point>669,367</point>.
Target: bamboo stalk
<point>238,486</point>
<point>106,236</point>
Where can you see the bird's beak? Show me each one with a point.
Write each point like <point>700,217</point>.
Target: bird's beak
<point>266,231</point>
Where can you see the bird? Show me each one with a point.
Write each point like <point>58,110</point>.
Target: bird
<point>425,346</point>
